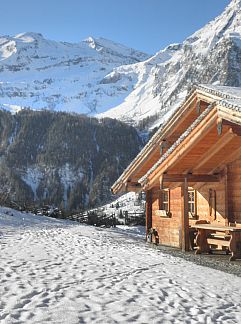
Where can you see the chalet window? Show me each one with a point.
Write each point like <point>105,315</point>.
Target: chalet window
<point>192,202</point>
<point>164,200</point>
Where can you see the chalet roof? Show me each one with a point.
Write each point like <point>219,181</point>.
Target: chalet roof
<point>178,142</point>
<point>231,101</point>
<point>227,97</point>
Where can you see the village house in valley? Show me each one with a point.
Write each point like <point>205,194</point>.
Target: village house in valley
<point>191,173</point>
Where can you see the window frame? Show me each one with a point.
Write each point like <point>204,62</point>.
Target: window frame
<point>164,205</point>
<point>193,203</point>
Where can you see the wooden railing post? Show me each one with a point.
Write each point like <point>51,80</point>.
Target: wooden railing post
<point>185,217</point>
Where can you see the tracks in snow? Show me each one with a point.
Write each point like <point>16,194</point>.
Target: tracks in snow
<point>80,274</point>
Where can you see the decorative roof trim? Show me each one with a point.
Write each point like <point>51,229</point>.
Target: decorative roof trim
<point>216,92</point>
<point>230,105</point>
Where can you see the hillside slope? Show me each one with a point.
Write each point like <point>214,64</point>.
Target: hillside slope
<point>66,160</point>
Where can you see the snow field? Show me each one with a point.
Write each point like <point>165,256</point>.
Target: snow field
<point>61,272</point>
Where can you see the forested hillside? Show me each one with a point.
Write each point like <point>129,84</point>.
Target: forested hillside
<point>62,159</point>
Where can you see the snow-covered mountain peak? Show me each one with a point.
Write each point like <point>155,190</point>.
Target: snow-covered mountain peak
<point>227,25</point>
<point>104,46</point>
<point>90,41</point>
<point>29,37</point>
<point>43,74</point>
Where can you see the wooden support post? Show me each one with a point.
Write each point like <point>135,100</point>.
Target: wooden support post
<point>148,211</point>
<point>227,220</point>
<point>185,218</point>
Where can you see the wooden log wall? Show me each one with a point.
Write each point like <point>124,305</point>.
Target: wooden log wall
<point>227,199</point>
<point>148,211</point>
<point>168,228</point>
<point>205,206</point>
<point>234,191</point>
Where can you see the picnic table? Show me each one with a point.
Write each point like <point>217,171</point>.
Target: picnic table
<point>228,237</point>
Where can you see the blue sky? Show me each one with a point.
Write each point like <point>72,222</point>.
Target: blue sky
<point>147,25</point>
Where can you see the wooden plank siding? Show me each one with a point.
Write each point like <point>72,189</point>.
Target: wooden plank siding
<point>234,192</point>
<point>203,207</point>
<point>168,228</point>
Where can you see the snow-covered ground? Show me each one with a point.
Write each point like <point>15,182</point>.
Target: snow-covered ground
<point>54,271</point>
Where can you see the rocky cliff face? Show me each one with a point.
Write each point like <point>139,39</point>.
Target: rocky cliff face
<point>211,55</point>
<point>66,160</point>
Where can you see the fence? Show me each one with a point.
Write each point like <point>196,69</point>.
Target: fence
<point>93,218</point>
<point>134,218</point>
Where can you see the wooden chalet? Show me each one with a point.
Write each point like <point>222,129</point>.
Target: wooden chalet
<point>191,173</point>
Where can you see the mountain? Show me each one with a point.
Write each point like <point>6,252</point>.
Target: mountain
<point>66,160</point>
<point>42,74</point>
<point>71,160</point>
<point>98,76</point>
<point>211,55</point>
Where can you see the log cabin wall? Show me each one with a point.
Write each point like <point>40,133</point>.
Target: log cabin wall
<point>211,203</point>
<point>212,210</point>
<point>234,191</point>
<point>168,228</point>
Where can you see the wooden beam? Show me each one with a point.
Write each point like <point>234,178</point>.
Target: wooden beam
<point>190,177</point>
<point>226,196</point>
<point>148,211</point>
<point>172,185</point>
<point>134,187</point>
<point>185,216</point>
<point>224,140</point>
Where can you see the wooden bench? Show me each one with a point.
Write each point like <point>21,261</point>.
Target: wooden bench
<point>220,240</point>
<point>223,237</point>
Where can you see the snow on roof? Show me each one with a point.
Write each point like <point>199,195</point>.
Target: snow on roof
<point>178,142</point>
<point>231,96</point>
<point>221,91</point>
<point>234,104</point>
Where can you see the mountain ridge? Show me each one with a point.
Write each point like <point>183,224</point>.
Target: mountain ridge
<point>42,74</point>
<point>103,78</point>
